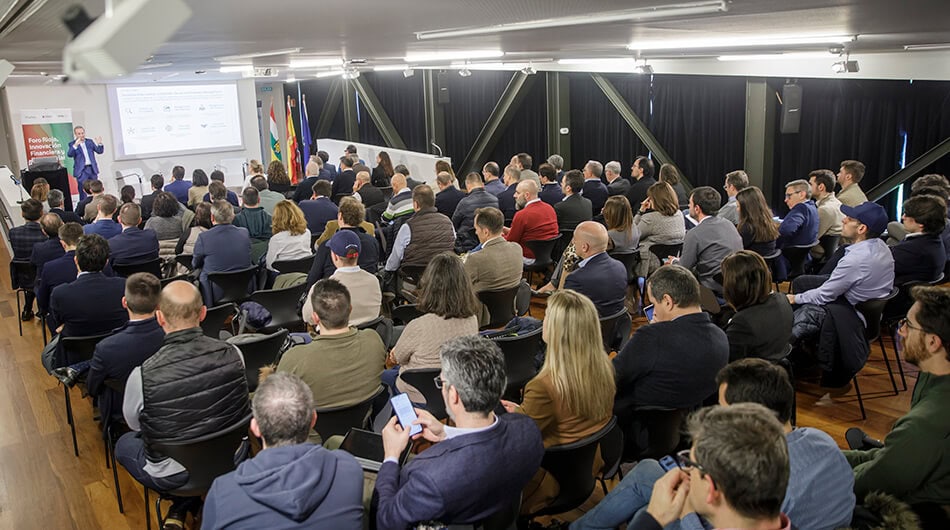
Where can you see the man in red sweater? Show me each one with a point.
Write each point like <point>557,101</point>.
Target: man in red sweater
<point>535,220</point>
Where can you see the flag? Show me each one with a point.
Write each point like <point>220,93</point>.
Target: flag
<point>304,128</point>
<point>274,136</point>
<point>293,157</point>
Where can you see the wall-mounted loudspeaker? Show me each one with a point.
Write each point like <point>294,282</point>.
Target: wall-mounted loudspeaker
<point>791,109</point>
<point>442,85</point>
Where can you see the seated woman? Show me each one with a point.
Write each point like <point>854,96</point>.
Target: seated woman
<point>201,223</point>
<point>450,309</point>
<point>277,179</point>
<point>660,222</point>
<point>40,190</point>
<point>756,226</point>
<point>670,175</point>
<point>291,239</point>
<point>572,397</point>
<point>762,325</point>
<point>199,187</point>
<point>624,235</point>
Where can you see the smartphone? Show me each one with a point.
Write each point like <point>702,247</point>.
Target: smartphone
<point>406,414</point>
<point>668,463</point>
<point>648,311</point>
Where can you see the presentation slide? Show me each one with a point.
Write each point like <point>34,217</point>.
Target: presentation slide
<point>150,121</point>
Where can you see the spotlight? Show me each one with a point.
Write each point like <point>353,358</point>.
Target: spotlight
<point>465,72</point>
<point>408,72</point>
<point>528,70</point>
<point>841,67</point>
<point>643,69</point>
<point>351,73</point>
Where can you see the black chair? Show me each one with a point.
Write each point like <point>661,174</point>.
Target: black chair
<point>22,277</point>
<point>609,326</point>
<point>872,310</point>
<point>387,192</point>
<point>543,251</point>
<point>118,385</point>
<point>294,265</point>
<point>180,277</point>
<point>501,306</point>
<point>796,257</point>
<point>185,260</point>
<point>423,380</point>
<point>383,327</point>
<point>829,244</point>
<point>890,323</point>
<point>153,267</point>
<point>412,273</point>
<point>235,284</point>
<point>205,458</point>
<point>520,363</point>
<point>336,198</point>
<point>771,260</point>
<point>335,421</point>
<point>282,305</point>
<point>570,464</point>
<point>567,235</point>
<point>260,352</point>
<point>215,317</point>
<point>403,314</point>
<point>664,251</point>
<point>654,432</point>
<point>75,350</point>
<point>611,452</point>
<point>313,240</point>
<point>630,261</point>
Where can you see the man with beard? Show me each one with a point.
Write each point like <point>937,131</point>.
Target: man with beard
<point>534,221</point>
<point>914,462</point>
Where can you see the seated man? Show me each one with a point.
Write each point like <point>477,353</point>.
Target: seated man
<point>269,198</point>
<point>60,270</point>
<point>191,387</point>
<point>464,216</point>
<point>914,462</point>
<point>223,248</point>
<point>117,355</point>
<point>87,208</point>
<point>156,182</point>
<point>46,251</point>
<point>799,228</point>
<point>535,220</point>
<point>55,202</point>
<point>550,185</point>
<point>820,483</point>
<point>133,245</point>
<point>598,276</point>
<point>319,209</point>
<point>342,366</point>
<point>344,249</point>
<point>448,197</point>
<point>291,483</point>
<point>103,224</point>
<point>218,176</point>
<point>343,183</point>
<point>707,244</point>
<point>497,265</point>
<point>593,188</point>
<point>829,207</point>
<point>616,184</point>
<point>574,208</point>
<point>23,238</point>
<point>253,216</point>
<point>507,202</point>
<point>305,186</point>
<point>217,191</point>
<point>736,181</point>
<point>673,361</point>
<point>491,174</point>
<point>400,204</point>
<point>424,235</point>
<point>474,469</point>
<point>921,255</point>
<point>351,218</point>
<point>365,192</point>
<point>179,186</point>
<point>849,176</point>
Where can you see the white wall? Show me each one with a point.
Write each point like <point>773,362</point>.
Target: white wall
<point>90,108</point>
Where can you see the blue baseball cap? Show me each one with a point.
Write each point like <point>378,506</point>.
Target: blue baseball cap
<point>870,214</point>
<point>346,244</point>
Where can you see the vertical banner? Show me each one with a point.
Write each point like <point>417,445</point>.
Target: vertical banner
<point>46,133</point>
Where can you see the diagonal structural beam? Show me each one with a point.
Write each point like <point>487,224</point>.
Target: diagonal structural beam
<point>500,117</point>
<point>377,113</point>
<point>639,127</point>
<point>910,170</point>
<point>350,113</point>
<point>330,106</point>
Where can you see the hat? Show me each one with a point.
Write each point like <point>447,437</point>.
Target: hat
<point>870,214</point>
<point>345,244</point>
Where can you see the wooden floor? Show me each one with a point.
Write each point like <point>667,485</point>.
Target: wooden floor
<point>43,485</point>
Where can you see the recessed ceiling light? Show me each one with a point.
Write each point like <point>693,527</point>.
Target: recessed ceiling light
<point>740,42</point>
<point>420,57</point>
<point>286,51</point>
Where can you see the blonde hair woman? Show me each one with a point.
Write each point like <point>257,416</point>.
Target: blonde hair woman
<point>291,239</point>
<point>572,397</point>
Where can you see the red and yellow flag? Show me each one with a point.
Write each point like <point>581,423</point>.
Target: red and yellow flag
<point>293,157</point>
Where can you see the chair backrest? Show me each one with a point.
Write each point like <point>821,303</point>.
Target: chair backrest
<point>287,266</point>
<point>543,251</point>
<point>403,314</point>
<point>22,274</point>
<point>611,451</point>
<point>412,273</point>
<point>796,257</point>
<point>335,421</point>
<point>282,305</point>
<point>205,458</point>
<point>383,327</point>
<point>570,464</point>
<point>500,304</point>
<point>519,355</point>
<point>829,244</point>
<point>608,329</point>
<point>185,260</point>
<point>387,192</point>
<point>423,380</point>
<point>662,428</point>
<point>630,261</point>
<point>235,284</point>
<point>664,251</point>
<point>260,352</point>
<point>78,349</point>
<point>154,267</point>
<point>872,310</point>
<point>567,235</point>
<point>216,317</point>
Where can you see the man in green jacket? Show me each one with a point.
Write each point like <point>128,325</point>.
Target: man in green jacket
<point>914,463</point>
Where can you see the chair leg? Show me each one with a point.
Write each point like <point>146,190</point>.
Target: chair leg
<point>158,512</point>
<point>43,329</point>
<point>603,484</point>
<point>71,419</point>
<point>19,310</point>
<point>887,363</point>
<point>857,390</point>
<point>148,515</point>
<point>900,365</point>
<point>115,472</point>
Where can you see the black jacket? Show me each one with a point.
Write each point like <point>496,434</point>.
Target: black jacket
<point>343,183</point>
<point>919,258</point>
<point>447,200</point>
<point>370,195</point>
<point>638,191</point>
<point>379,178</point>
<point>762,330</point>
<point>573,211</point>
<point>464,217</point>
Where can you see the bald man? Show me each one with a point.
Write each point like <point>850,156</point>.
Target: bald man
<point>192,386</point>
<point>598,276</point>
<point>534,220</point>
<point>401,202</point>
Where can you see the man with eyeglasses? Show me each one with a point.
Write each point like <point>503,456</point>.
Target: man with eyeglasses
<point>913,464</point>
<point>475,469</point>
<point>736,181</point>
<point>800,226</point>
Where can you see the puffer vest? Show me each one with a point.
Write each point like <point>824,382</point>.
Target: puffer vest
<point>431,233</point>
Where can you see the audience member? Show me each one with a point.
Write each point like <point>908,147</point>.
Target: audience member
<point>424,235</point>
<point>849,177</point>
<point>921,256</point>
<point>448,196</point>
<point>762,324</point>
<point>133,246</point>
<point>165,220</point>
<point>412,183</point>
<point>365,192</point>
<point>598,276</point>
<point>574,208</point>
<point>618,217</point>
<point>616,184</point>
<point>305,186</point>
<point>550,185</point>
<point>217,191</point>
<point>572,396</point>
<point>593,189</point>
<point>714,238</point>
<point>490,174</point>
<point>659,222</point>
<point>104,225</point>
<point>224,248</point>
<point>157,182</point>
<point>822,183</point>
<point>277,178</point>
<point>319,209</point>
<point>475,469</point>
<point>464,217</point>
<point>178,186</point>
<point>383,172</point>
<point>253,216</point>
<point>400,204</point>
<point>756,227</point>
<point>351,217</point>
<point>325,157</point>
<point>736,181</point>
<point>22,239</point>
<point>200,224</point>
<point>199,187</point>
<point>535,220</point>
<point>523,162</point>
<point>506,199</point>
<point>931,184</point>
<point>55,202</point>
<point>670,175</point>
<point>269,199</point>
<point>290,483</point>
<point>126,194</point>
<point>343,183</point>
<point>60,270</point>
<point>558,162</point>
<point>497,264</point>
<point>90,209</point>
<point>450,309</point>
<point>192,386</point>
<point>642,174</point>
<point>80,207</point>
<point>40,190</point>
<point>46,251</point>
<point>291,239</point>
<point>344,249</point>
<point>799,228</point>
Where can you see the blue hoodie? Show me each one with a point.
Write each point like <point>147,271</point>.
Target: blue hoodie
<point>295,486</point>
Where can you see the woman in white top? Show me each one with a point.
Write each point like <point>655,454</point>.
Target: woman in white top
<point>291,239</point>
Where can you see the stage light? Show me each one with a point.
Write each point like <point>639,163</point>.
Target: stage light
<point>841,67</point>
<point>465,72</point>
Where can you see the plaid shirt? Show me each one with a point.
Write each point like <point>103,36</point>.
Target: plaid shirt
<point>22,239</point>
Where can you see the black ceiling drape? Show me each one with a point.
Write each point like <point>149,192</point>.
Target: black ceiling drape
<point>925,116</point>
<point>598,132</point>
<point>402,99</point>
<point>471,101</point>
<point>527,131</point>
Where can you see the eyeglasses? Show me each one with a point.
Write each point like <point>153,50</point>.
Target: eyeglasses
<point>439,382</point>
<point>906,322</point>
<point>684,461</point>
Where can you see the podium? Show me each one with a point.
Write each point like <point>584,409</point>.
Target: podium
<point>58,179</point>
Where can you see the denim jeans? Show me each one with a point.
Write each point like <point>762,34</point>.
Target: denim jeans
<point>130,452</point>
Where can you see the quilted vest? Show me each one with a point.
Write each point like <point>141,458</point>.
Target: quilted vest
<point>431,233</point>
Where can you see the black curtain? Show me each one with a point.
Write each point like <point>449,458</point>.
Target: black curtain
<point>925,117</point>
<point>317,91</point>
<point>598,132</point>
<point>700,122</point>
<point>527,131</point>
<point>368,132</point>
<point>471,101</point>
<point>402,99</point>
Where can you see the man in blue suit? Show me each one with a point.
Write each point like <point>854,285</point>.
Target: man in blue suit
<point>51,248</point>
<point>448,197</point>
<point>179,186</point>
<point>60,270</point>
<point>224,248</point>
<point>23,239</point>
<point>475,469</point>
<point>594,189</point>
<point>103,224</point>
<point>319,210</point>
<point>83,152</point>
<point>506,199</point>
<point>598,276</point>
<point>134,245</point>
<point>800,226</point>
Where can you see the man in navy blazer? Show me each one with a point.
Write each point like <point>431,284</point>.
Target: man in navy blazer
<point>58,271</point>
<point>129,346</point>
<point>319,210</point>
<point>55,202</point>
<point>800,226</point>
<point>448,197</point>
<point>343,183</point>
<point>134,245</point>
<point>506,199</point>
<point>50,249</point>
<point>598,276</point>
<point>594,189</point>
<point>104,225</point>
<point>475,469</point>
<point>223,248</point>
<point>83,152</point>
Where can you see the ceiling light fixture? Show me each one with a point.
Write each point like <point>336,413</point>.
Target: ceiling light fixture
<point>620,62</point>
<point>286,51</point>
<point>752,41</point>
<point>528,70</point>
<point>926,47</point>
<point>315,62</point>
<point>390,68</point>
<point>151,66</point>
<point>643,69</point>
<point>329,73</point>
<point>707,7</point>
<point>465,72</point>
<point>776,56</point>
<point>237,69</point>
<point>351,73</point>
<point>846,66</point>
<point>421,57</point>
<point>408,72</point>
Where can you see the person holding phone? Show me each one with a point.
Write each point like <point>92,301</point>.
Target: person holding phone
<point>475,469</point>
<point>83,151</point>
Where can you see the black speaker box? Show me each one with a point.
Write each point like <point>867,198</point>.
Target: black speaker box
<point>442,84</point>
<point>791,109</point>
